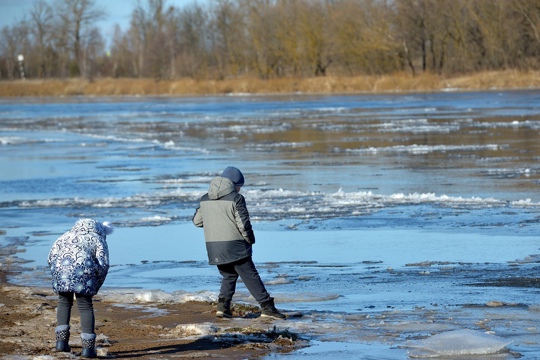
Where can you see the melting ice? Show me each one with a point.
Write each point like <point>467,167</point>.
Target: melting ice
<point>381,218</point>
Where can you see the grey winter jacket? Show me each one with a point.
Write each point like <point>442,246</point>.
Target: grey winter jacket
<point>223,214</point>
<point>79,259</point>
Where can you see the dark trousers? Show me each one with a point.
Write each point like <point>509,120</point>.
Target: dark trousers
<point>244,268</point>
<point>86,311</point>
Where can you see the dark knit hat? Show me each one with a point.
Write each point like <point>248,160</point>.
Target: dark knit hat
<point>234,175</point>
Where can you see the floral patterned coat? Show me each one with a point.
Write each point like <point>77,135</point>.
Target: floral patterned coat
<point>79,259</point>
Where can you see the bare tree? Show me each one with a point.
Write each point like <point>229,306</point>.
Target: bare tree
<point>120,54</point>
<point>76,19</point>
<point>228,37</point>
<point>366,40</point>
<point>14,42</point>
<point>172,33</point>
<point>265,27</point>
<point>147,32</point>
<point>42,24</point>
<point>193,41</point>
<point>92,49</point>
<point>528,13</point>
<point>315,44</point>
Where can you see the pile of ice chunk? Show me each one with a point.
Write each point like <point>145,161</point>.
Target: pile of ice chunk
<point>459,343</point>
<point>140,296</point>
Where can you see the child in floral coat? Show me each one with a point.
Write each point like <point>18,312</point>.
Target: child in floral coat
<point>79,262</point>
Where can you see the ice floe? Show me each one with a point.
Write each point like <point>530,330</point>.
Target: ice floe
<point>459,343</point>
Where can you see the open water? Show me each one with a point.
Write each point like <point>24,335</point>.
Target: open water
<point>382,219</point>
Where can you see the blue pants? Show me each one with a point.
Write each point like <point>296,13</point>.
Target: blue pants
<point>244,268</point>
<point>86,311</point>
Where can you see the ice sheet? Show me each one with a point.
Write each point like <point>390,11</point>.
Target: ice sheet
<point>459,343</point>
<point>380,218</point>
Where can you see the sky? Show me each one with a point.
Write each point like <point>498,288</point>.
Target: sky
<point>118,11</point>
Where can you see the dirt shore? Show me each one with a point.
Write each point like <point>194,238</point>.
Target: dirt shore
<point>149,331</point>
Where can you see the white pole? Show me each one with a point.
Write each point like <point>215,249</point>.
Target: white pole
<point>20,58</point>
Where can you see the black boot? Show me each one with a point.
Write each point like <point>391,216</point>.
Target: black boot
<point>269,310</point>
<point>224,308</point>
<point>62,338</point>
<point>88,346</point>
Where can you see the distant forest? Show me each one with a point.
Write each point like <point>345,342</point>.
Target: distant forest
<point>221,39</point>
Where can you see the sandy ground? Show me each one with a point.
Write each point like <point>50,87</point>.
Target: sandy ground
<point>152,331</point>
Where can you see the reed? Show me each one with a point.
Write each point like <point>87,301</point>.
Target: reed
<point>399,82</point>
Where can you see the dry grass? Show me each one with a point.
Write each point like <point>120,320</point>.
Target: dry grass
<point>400,82</point>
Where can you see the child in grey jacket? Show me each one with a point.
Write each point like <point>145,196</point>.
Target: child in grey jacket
<point>223,215</point>
<point>79,263</point>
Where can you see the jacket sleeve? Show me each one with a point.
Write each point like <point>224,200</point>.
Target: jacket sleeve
<point>102,257</point>
<point>197,218</point>
<point>53,253</point>
<point>242,219</point>
<point>51,259</point>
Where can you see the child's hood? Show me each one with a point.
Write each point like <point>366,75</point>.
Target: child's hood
<point>219,187</point>
<point>85,226</point>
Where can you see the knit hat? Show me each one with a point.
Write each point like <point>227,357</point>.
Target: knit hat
<point>234,175</point>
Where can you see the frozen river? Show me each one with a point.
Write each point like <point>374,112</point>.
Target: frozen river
<point>418,208</point>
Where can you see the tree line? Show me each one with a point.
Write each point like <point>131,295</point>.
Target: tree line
<point>221,39</point>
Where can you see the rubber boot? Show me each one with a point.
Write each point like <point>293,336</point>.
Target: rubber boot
<point>88,346</point>
<point>62,338</point>
<point>224,308</point>
<point>269,310</point>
